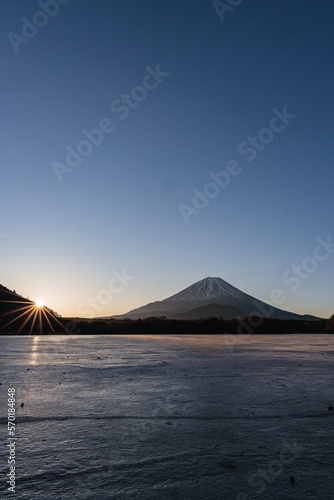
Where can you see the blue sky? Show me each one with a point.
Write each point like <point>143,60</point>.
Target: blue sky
<point>120,207</point>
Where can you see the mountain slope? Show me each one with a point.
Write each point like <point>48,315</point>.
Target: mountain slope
<point>212,311</point>
<point>207,289</point>
<point>215,292</point>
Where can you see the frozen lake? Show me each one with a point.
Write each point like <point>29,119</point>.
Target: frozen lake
<point>170,417</point>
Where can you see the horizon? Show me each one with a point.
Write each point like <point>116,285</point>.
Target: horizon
<point>166,142</point>
<point>275,300</point>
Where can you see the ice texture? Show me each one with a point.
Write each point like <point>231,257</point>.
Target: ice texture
<point>170,417</point>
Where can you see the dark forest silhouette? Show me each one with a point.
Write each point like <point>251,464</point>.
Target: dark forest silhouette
<point>330,324</point>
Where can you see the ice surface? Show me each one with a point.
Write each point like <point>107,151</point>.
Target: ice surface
<point>170,417</point>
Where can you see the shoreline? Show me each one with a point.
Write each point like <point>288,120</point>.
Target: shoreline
<point>217,326</point>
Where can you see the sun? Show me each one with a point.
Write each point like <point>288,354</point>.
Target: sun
<point>34,314</point>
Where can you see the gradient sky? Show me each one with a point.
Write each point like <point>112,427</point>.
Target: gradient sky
<point>119,209</point>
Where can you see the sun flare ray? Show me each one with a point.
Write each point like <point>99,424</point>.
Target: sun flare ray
<point>18,310</point>
<point>47,319</point>
<point>15,319</point>
<point>33,321</point>
<point>25,321</point>
<point>34,313</point>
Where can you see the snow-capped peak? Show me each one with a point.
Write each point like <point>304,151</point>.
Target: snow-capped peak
<point>207,289</point>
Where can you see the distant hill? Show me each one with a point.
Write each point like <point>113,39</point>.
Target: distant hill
<point>212,311</point>
<point>21,315</point>
<point>211,297</point>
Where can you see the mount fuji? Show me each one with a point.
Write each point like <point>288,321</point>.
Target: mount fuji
<point>210,297</point>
